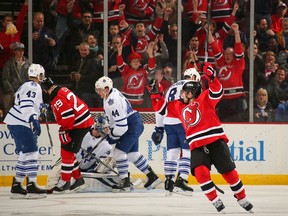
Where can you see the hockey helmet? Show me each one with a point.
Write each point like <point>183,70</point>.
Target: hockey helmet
<point>103,82</point>
<point>37,71</point>
<point>101,123</point>
<point>194,87</point>
<point>47,83</point>
<point>190,72</point>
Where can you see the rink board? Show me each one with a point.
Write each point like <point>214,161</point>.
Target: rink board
<point>260,153</point>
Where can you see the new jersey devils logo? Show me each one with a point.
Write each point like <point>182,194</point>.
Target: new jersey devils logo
<point>225,73</point>
<point>135,81</point>
<point>191,114</point>
<point>220,2</point>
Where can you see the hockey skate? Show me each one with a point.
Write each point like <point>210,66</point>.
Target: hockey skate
<point>17,191</point>
<point>182,188</point>
<point>153,180</point>
<point>124,186</point>
<point>244,203</point>
<point>218,204</point>
<point>61,187</point>
<point>169,185</point>
<point>34,192</point>
<point>78,184</point>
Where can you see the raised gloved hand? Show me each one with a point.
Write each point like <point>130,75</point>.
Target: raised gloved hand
<point>157,135</point>
<point>35,124</point>
<point>155,89</point>
<point>64,136</point>
<point>208,71</point>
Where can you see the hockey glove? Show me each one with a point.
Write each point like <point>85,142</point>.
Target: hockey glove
<point>157,135</point>
<point>36,129</point>
<point>111,138</point>
<point>155,89</point>
<point>208,71</point>
<point>64,136</point>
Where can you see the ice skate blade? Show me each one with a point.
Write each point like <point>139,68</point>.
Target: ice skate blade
<point>182,192</point>
<point>81,187</point>
<point>36,196</point>
<point>122,190</point>
<point>17,196</point>
<point>154,184</point>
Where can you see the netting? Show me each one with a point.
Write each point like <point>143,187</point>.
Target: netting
<point>147,117</point>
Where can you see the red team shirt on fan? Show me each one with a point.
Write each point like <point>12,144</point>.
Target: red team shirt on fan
<point>230,75</point>
<point>70,112</point>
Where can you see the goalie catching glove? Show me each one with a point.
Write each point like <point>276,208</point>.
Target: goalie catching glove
<point>36,129</point>
<point>64,136</point>
<point>157,135</point>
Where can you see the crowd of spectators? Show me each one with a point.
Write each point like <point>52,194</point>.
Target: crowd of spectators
<point>142,45</point>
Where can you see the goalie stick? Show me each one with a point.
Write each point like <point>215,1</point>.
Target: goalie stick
<point>91,152</point>
<point>98,160</point>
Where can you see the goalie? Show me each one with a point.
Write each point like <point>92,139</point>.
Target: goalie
<point>95,142</point>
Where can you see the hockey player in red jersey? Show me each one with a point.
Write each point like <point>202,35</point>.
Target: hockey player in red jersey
<point>75,120</point>
<point>206,138</point>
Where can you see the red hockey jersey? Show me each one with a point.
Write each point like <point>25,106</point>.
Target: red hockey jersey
<point>70,112</point>
<point>140,10</point>
<point>134,80</point>
<point>113,10</point>
<point>230,75</point>
<point>199,118</point>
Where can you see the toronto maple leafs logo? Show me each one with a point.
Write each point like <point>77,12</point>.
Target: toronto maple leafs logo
<point>135,81</point>
<point>191,114</point>
<point>110,101</point>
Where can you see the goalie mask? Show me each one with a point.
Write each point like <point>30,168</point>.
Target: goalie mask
<point>194,87</point>
<point>101,124</point>
<point>37,71</point>
<point>193,74</point>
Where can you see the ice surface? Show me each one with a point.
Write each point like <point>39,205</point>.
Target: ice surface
<point>267,200</point>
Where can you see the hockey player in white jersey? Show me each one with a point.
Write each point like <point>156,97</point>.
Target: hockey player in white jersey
<point>176,139</point>
<point>126,126</point>
<point>23,124</point>
<point>96,143</point>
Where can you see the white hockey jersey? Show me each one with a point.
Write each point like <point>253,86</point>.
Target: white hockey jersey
<point>173,93</point>
<point>117,109</point>
<point>103,150</point>
<point>27,102</point>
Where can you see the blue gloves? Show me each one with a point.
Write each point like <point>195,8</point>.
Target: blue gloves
<point>36,125</point>
<point>157,135</point>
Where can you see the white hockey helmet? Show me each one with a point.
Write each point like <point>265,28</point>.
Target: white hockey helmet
<point>36,70</point>
<point>190,72</point>
<point>103,82</point>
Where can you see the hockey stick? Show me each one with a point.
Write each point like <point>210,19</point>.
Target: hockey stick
<point>98,160</point>
<point>208,29</point>
<point>91,152</point>
<point>48,131</point>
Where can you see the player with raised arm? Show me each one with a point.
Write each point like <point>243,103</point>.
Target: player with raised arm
<point>178,154</point>
<point>23,124</point>
<point>75,120</point>
<point>126,126</point>
<point>207,139</point>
